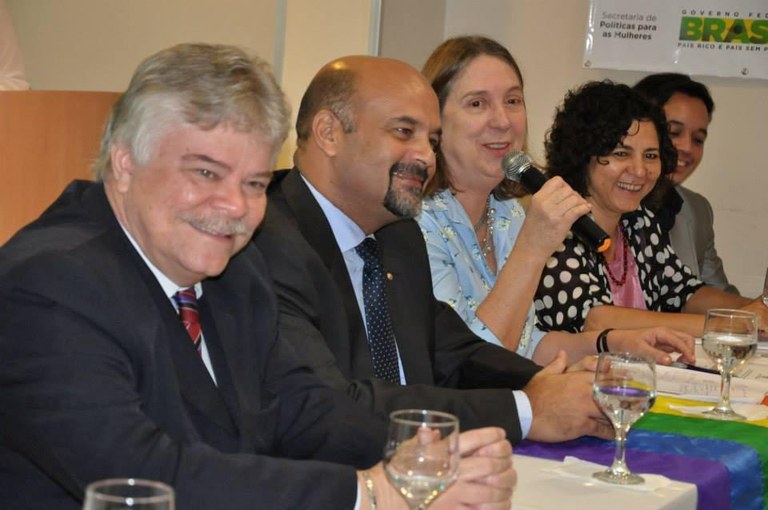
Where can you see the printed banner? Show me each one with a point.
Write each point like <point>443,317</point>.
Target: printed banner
<point>701,37</point>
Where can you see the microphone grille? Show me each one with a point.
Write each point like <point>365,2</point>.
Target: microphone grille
<point>515,162</point>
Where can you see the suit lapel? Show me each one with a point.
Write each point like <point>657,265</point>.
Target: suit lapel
<point>317,231</point>
<point>233,356</point>
<point>683,236</point>
<point>157,321</point>
<point>398,260</point>
<point>195,383</point>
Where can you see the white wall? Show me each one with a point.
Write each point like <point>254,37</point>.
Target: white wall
<point>316,32</point>
<point>547,39</point>
<point>410,29</point>
<point>96,44</point>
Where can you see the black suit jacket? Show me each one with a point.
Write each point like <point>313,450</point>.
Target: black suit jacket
<point>98,379</point>
<point>319,316</point>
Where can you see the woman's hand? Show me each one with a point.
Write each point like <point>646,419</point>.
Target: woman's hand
<point>759,308</point>
<point>553,210</point>
<point>656,343</point>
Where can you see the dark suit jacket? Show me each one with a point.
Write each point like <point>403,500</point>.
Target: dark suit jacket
<point>98,379</point>
<point>320,317</point>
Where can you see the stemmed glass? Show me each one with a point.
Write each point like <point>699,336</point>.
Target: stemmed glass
<point>730,339</point>
<point>128,494</point>
<point>624,389</point>
<point>421,457</point>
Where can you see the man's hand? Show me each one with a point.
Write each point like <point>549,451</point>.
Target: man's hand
<point>485,481</point>
<point>486,476</point>
<point>654,343</point>
<point>588,363</point>
<point>562,404</point>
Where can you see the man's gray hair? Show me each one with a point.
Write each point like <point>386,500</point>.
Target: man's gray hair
<point>204,85</point>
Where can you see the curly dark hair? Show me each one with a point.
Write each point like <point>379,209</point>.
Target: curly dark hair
<point>443,67</point>
<point>592,121</point>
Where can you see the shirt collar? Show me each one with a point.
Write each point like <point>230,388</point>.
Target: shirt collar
<point>347,233</point>
<point>169,288</point>
<point>446,203</point>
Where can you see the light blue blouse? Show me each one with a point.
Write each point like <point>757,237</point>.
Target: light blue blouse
<point>460,275</point>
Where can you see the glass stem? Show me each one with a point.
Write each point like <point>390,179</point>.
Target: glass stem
<point>619,466</point>
<point>725,391</point>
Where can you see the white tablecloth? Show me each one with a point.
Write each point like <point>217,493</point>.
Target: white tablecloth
<point>540,490</point>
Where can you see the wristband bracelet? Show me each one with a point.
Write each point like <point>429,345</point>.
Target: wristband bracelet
<point>370,490</point>
<point>601,344</point>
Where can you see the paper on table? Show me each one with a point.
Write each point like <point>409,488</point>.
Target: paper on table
<point>756,368</point>
<point>573,467</point>
<point>690,384</point>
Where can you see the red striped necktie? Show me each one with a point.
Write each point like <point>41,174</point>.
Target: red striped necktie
<point>186,300</point>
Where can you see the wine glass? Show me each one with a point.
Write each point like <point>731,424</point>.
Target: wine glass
<point>128,494</point>
<point>730,339</point>
<point>421,457</point>
<point>624,389</point>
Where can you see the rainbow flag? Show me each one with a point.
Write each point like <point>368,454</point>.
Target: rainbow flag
<point>727,461</point>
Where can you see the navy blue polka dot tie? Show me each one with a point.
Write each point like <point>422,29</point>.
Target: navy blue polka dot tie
<point>381,337</point>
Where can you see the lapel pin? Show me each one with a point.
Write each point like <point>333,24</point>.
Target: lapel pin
<point>390,277</point>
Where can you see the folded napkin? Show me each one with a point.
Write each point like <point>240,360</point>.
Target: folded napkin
<point>573,467</point>
<point>752,412</point>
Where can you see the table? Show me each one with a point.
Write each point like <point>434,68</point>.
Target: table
<point>727,461</point>
<point>539,490</point>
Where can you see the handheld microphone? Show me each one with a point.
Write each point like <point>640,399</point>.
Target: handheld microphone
<point>518,167</point>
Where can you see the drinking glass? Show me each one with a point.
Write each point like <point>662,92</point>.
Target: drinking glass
<point>421,457</point>
<point>730,339</point>
<point>128,494</point>
<point>624,389</point>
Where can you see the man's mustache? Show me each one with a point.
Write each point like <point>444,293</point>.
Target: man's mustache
<point>217,225</point>
<point>409,170</point>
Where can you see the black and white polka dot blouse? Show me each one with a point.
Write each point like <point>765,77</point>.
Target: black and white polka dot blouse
<point>574,279</point>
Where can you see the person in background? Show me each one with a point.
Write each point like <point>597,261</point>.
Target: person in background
<point>612,146</point>
<point>485,253</point>
<point>685,214</point>
<point>342,221</point>
<point>12,73</point>
<point>138,325</point>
